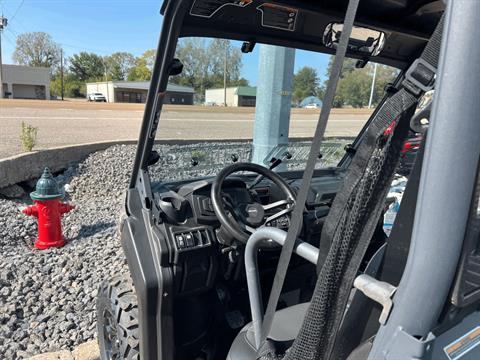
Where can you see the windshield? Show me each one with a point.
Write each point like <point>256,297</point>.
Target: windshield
<point>228,106</point>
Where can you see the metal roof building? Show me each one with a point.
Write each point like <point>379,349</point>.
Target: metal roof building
<point>236,96</point>
<point>136,92</point>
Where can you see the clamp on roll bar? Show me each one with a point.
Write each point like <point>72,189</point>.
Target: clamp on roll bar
<point>254,243</point>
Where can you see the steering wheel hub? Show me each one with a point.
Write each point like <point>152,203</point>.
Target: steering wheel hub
<point>255,214</point>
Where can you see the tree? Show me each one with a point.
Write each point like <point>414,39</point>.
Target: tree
<point>240,82</point>
<point>143,67</point>
<point>305,83</point>
<point>140,72</point>
<point>354,89</point>
<point>37,49</point>
<point>87,67</point>
<point>347,67</point>
<point>204,64</point>
<point>149,57</point>
<point>72,87</point>
<point>192,53</point>
<point>355,84</point>
<point>385,74</point>
<point>119,65</point>
<point>219,51</point>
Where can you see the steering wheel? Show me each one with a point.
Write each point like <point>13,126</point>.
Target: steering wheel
<point>253,213</point>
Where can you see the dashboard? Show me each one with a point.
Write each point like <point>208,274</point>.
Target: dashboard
<point>199,246</point>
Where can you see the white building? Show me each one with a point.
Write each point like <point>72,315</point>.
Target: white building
<point>25,82</point>
<point>236,96</point>
<point>136,92</point>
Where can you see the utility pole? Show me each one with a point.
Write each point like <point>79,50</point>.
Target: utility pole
<point>225,74</point>
<point>61,71</point>
<point>106,80</point>
<point>373,86</point>
<point>3,25</point>
<point>274,100</point>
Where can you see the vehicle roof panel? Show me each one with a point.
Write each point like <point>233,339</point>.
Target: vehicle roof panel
<point>407,23</point>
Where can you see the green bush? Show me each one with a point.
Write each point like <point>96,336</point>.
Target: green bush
<point>72,88</point>
<point>199,155</point>
<point>28,136</point>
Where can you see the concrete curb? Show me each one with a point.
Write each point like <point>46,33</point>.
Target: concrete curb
<point>30,165</point>
<point>85,351</point>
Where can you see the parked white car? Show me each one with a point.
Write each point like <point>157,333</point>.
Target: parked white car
<point>312,106</point>
<point>96,97</point>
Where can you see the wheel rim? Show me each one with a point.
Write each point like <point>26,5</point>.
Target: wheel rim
<point>110,336</point>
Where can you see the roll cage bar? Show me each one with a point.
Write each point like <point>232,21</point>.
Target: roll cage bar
<point>438,232</point>
<point>177,23</point>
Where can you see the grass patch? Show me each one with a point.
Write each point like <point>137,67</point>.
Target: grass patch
<point>28,136</point>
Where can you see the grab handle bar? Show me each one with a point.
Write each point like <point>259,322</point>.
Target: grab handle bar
<point>254,243</point>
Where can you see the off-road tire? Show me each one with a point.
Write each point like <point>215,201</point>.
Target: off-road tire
<point>117,319</point>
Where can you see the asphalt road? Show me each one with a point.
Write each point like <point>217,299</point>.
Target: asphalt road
<point>73,122</point>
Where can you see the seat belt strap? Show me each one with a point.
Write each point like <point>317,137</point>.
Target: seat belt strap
<point>297,215</point>
<point>358,206</point>
<point>361,319</point>
<point>418,79</point>
<point>398,244</point>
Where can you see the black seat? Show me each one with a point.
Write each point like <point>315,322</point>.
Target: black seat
<point>286,325</point>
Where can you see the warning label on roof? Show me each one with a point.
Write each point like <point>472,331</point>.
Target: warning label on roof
<point>278,17</point>
<point>207,8</point>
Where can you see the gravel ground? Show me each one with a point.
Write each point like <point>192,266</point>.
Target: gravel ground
<point>47,298</point>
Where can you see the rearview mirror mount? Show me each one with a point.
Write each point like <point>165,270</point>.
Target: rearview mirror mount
<point>364,41</point>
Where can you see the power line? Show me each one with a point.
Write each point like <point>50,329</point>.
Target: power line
<point>10,41</point>
<point>19,24</point>
<point>12,32</point>
<point>16,11</point>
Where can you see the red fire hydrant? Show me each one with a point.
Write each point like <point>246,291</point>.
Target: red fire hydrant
<point>48,209</point>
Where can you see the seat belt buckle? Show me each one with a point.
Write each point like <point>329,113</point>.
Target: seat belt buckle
<point>420,77</point>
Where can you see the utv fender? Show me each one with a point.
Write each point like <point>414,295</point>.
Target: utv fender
<point>152,283</point>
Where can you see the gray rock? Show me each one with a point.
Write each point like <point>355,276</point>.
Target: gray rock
<point>5,291</point>
<point>50,303</point>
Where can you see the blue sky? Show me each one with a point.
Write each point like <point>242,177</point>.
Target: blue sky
<point>106,26</point>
